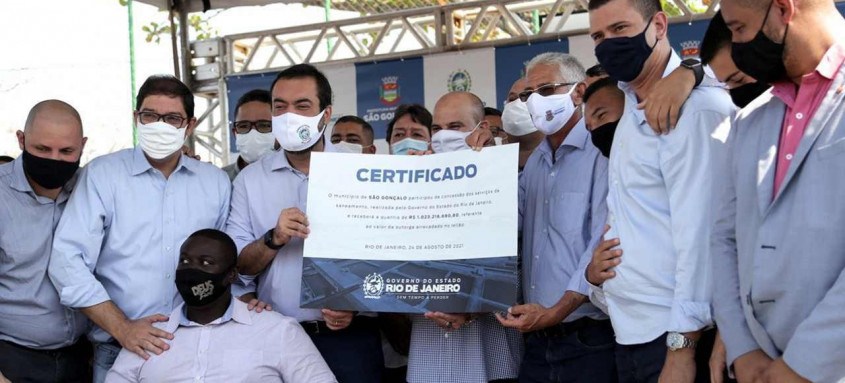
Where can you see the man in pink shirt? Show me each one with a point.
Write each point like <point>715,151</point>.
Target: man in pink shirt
<point>777,247</point>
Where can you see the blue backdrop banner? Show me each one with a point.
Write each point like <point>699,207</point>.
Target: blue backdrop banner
<point>384,85</point>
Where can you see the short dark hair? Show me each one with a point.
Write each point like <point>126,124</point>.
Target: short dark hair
<point>488,111</point>
<point>601,83</point>
<point>596,71</point>
<point>324,89</point>
<point>223,239</point>
<point>717,37</point>
<point>646,8</point>
<point>418,114</point>
<point>260,95</point>
<point>5,159</point>
<point>365,126</point>
<point>166,85</point>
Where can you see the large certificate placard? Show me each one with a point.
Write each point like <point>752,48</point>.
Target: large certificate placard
<point>412,233</point>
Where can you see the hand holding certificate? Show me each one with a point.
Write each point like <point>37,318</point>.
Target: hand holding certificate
<point>412,233</point>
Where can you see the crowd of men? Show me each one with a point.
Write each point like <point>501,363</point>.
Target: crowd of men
<point>674,227</point>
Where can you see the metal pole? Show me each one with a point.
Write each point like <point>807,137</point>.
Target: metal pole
<point>132,67</point>
<point>327,7</point>
<point>174,49</point>
<point>184,43</point>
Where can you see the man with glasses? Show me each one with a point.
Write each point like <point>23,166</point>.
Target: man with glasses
<point>117,243</point>
<point>562,212</point>
<point>252,129</point>
<point>493,117</point>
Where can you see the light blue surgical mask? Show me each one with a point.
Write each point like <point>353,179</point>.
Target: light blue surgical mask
<point>402,147</point>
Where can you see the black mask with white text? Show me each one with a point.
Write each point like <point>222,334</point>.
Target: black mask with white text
<point>199,288</point>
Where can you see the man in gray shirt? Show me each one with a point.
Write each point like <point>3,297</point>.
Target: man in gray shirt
<point>38,336</point>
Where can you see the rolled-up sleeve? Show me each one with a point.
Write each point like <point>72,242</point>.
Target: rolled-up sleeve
<point>686,160</point>
<point>239,227</point>
<point>77,243</point>
<point>598,216</point>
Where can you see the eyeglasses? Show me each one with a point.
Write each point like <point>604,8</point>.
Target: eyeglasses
<point>262,126</point>
<point>170,119</point>
<point>545,90</point>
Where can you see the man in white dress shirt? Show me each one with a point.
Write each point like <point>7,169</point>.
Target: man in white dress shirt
<point>215,337</point>
<point>658,200</point>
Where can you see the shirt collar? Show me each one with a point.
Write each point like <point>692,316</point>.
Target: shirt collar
<point>140,164</point>
<point>236,311</point>
<point>827,68</point>
<point>576,139</point>
<point>674,63</point>
<point>21,184</point>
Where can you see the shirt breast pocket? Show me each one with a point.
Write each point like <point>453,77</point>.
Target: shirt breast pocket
<point>567,214</point>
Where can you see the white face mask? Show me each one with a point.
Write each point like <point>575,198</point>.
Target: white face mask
<point>296,133</point>
<point>516,120</point>
<point>447,140</point>
<point>550,113</point>
<point>498,141</point>
<point>346,147</point>
<point>160,139</point>
<point>254,145</point>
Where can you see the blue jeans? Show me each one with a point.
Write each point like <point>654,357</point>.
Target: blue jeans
<point>585,355</point>
<point>104,356</point>
<point>23,364</point>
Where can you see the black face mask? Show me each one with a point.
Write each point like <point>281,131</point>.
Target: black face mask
<point>199,288</point>
<point>603,137</point>
<point>49,173</point>
<point>761,57</point>
<point>743,95</point>
<point>623,58</point>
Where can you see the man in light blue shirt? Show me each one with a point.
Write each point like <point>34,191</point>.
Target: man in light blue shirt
<point>562,212</point>
<point>38,336</point>
<point>658,200</point>
<point>269,225</point>
<point>117,243</point>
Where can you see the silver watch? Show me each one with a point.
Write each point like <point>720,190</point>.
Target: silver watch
<point>676,341</point>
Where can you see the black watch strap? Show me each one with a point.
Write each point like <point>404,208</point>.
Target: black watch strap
<point>696,68</point>
<point>268,241</point>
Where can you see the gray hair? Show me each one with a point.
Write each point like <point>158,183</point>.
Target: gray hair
<point>570,68</point>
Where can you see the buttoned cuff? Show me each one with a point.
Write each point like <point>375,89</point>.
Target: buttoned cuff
<point>84,295</point>
<point>596,295</point>
<point>245,284</point>
<point>688,316</point>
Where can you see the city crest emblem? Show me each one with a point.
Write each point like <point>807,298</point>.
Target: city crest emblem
<point>389,91</point>
<point>549,115</point>
<point>459,81</point>
<point>690,49</point>
<point>373,286</point>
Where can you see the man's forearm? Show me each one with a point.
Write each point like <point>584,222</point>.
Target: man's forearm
<point>568,303</point>
<point>255,258</point>
<point>108,316</point>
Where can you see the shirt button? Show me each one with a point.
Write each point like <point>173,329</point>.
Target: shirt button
<point>799,115</point>
<point>547,202</point>
<point>536,257</point>
<point>167,276</point>
<point>167,248</point>
<point>532,286</point>
<point>552,174</point>
<point>789,157</point>
<point>545,231</point>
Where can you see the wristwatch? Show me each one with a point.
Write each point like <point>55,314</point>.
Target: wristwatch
<point>268,241</point>
<point>696,68</point>
<point>676,341</point>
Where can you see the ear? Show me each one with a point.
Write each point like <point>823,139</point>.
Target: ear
<point>371,149</point>
<point>327,117</point>
<point>784,10</point>
<point>578,93</point>
<point>484,124</point>
<point>233,275</point>
<point>661,25</point>
<point>192,125</point>
<point>84,141</point>
<point>20,140</point>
